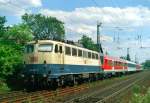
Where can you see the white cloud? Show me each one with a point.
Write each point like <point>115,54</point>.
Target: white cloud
<point>83,20</point>
<point>17,7</point>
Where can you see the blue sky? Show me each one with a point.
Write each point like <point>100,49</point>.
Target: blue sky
<point>72,4</point>
<point>127,18</point>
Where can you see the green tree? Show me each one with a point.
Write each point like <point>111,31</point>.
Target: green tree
<point>123,57</point>
<point>2,28</point>
<point>44,27</point>
<point>128,57</point>
<point>146,64</point>
<point>88,43</point>
<point>19,33</point>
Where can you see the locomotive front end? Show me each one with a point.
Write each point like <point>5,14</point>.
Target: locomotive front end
<point>36,70</point>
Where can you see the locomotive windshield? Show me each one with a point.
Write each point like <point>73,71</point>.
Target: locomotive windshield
<point>45,47</point>
<point>29,48</point>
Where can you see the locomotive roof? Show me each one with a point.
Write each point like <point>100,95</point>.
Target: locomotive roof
<point>59,42</point>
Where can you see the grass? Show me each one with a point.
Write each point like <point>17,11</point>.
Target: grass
<point>3,86</point>
<point>140,97</point>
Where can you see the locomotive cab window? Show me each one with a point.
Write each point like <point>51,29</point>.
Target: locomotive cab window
<point>74,52</point>
<point>29,48</point>
<point>45,47</point>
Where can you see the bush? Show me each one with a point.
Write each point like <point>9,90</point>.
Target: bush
<point>10,58</point>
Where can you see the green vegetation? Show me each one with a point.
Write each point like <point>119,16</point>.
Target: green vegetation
<point>3,86</point>
<point>139,97</point>
<point>44,27</point>
<point>2,28</point>
<point>10,57</point>
<point>128,57</point>
<point>146,64</point>
<point>88,43</point>
<point>19,34</point>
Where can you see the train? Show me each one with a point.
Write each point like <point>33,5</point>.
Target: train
<point>50,63</point>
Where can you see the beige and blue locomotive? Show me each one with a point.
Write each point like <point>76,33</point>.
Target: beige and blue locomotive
<point>58,63</point>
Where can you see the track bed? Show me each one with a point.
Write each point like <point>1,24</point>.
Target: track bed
<point>96,92</point>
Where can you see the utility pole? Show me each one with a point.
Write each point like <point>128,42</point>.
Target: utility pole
<point>99,24</point>
<point>99,42</point>
<point>136,59</point>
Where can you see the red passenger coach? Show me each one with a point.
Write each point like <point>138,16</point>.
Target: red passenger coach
<point>108,64</point>
<point>112,64</point>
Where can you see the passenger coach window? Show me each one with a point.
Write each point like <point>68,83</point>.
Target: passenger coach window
<point>67,51</point>
<point>74,52</point>
<point>89,54</point>
<point>45,47</point>
<point>56,48</point>
<point>79,53</point>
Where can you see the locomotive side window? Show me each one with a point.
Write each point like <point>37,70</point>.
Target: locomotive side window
<point>60,49</point>
<point>84,54</point>
<point>89,54</point>
<point>79,53</point>
<point>56,48</point>
<point>74,52</point>
<point>45,47</point>
<point>96,56</point>
<point>67,51</point>
<point>93,56</point>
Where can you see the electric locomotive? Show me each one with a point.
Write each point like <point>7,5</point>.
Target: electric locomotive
<point>55,63</point>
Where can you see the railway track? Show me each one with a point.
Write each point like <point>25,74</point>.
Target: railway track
<point>114,96</point>
<point>107,94</point>
<point>19,97</point>
<point>50,96</point>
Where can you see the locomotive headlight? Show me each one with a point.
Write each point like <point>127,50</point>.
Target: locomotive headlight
<point>44,75</point>
<point>45,65</point>
<point>22,75</point>
<point>32,76</point>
